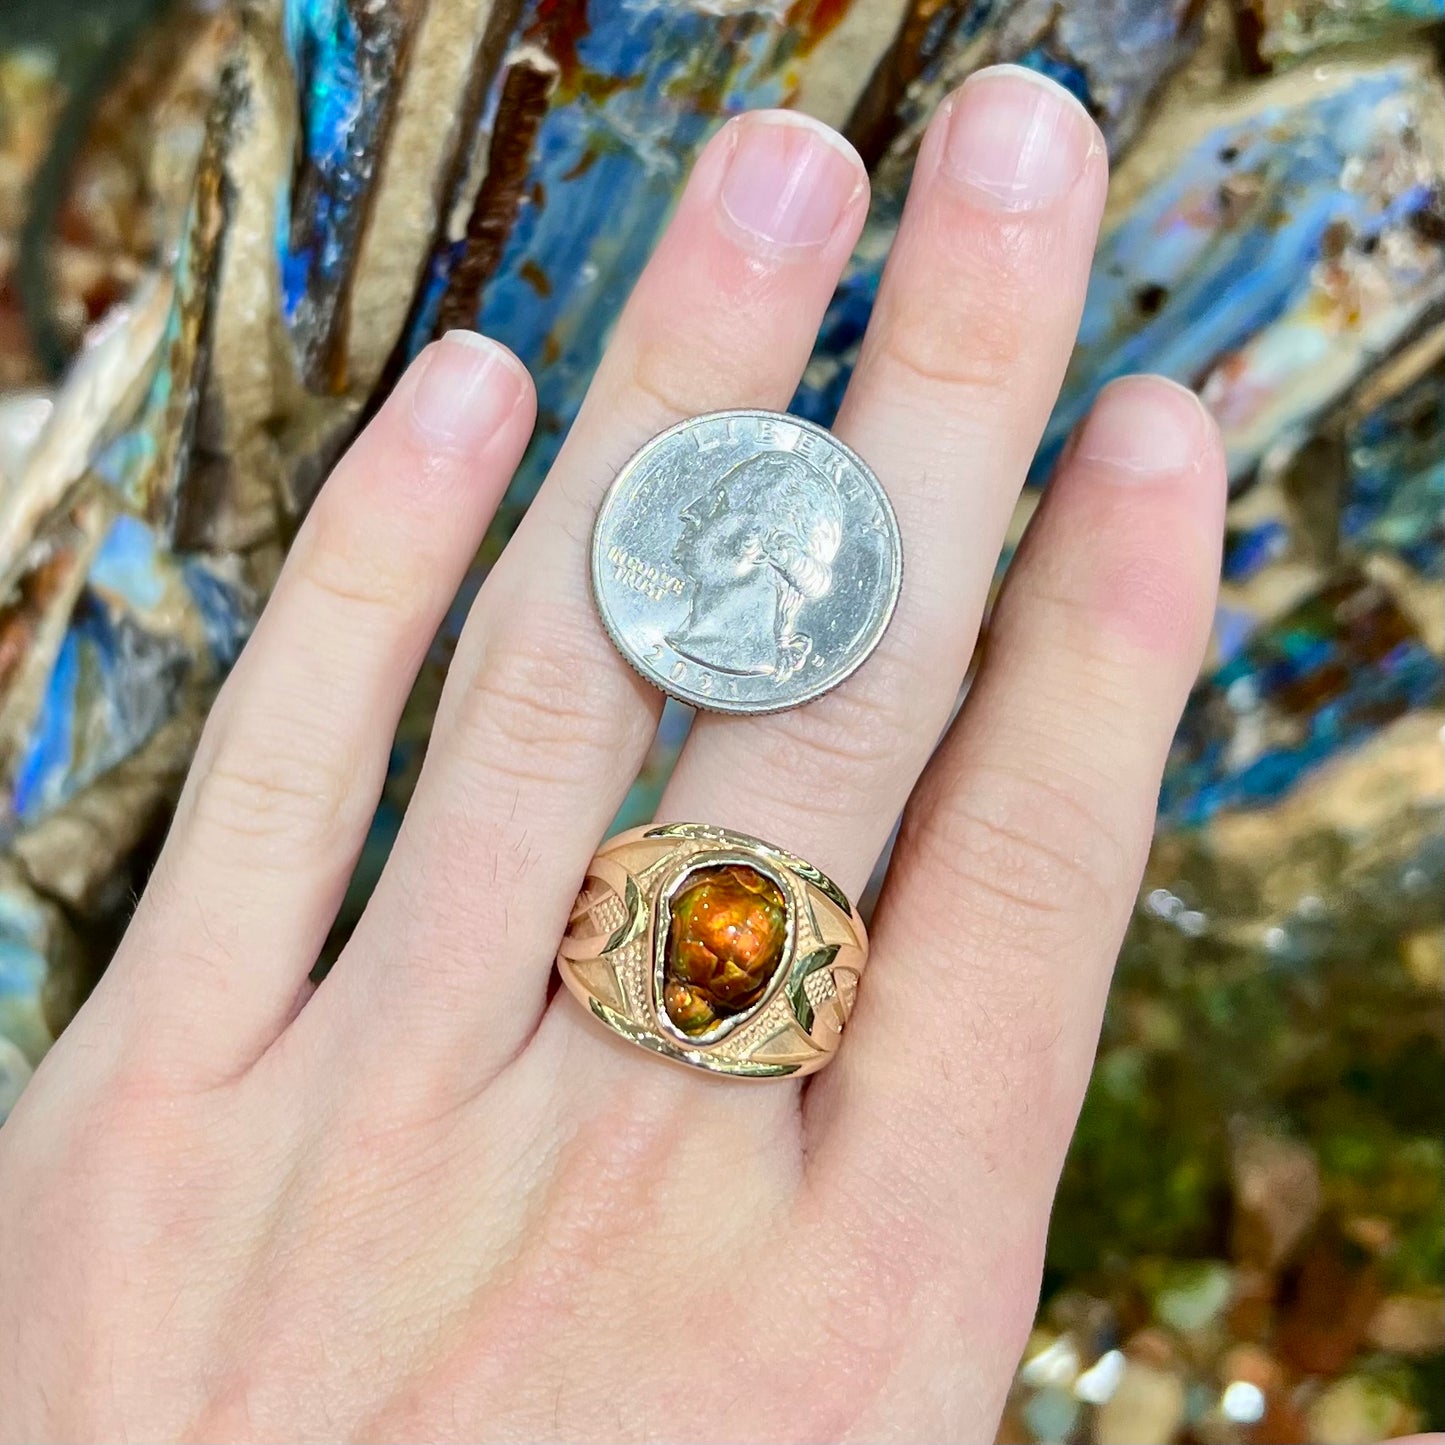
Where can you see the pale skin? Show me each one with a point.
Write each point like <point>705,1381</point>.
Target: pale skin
<point>426,1200</point>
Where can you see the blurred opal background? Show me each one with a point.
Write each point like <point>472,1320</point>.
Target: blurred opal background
<point>225,227</point>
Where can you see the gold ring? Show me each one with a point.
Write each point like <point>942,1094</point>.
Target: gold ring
<point>715,950</point>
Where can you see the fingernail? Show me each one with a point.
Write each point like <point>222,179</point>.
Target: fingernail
<point>467,388</point>
<point>789,179</point>
<point>1145,426</point>
<point>1016,138</point>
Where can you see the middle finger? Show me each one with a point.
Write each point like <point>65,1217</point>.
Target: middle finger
<point>961,365</point>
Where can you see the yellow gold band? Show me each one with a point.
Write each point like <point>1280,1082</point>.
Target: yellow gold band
<point>715,950</point>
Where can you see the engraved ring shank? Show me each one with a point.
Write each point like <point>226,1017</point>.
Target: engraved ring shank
<point>714,950</point>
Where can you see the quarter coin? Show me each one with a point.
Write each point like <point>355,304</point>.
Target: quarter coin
<point>746,561</point>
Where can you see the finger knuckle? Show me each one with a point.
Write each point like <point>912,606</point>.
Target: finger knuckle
<point>260,796</point>
<point>544,701</point>
<point>954,352</point>
<point>666,380</point>
<point>971,334</point>
<point>1021,852</point>
<point>1162,604</point>
<point>1014,876</point>
<point>663,386</point>
<point>831,752</point>
<point>355,572</point>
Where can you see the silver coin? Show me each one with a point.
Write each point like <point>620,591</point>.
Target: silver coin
<point>746,561</point>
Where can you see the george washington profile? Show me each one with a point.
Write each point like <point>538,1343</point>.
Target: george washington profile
<point>755,546</point>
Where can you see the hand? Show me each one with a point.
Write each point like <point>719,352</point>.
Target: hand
<point>427,1201</point>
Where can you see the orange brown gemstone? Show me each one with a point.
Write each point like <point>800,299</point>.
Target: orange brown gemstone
<point>725,941</point>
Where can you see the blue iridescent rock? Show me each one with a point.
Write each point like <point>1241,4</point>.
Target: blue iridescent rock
<point>1327,674</point>
<point>1394,495</point>
<point>142,620</point>
<point>1275,263</point>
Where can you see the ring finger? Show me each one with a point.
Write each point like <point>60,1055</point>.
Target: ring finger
<point>542,726</point>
